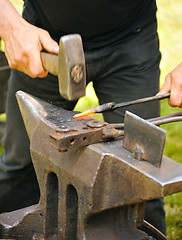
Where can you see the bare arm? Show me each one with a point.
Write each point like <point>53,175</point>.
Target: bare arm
<point>173,84</point>
<point>23,41</point>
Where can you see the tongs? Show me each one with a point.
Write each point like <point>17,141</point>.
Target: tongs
<point>112,105</point>
<point>173,117</point>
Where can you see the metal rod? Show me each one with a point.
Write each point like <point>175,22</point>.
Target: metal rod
<point>142,100</point>
<point>4,68</point>
<point>175,114</point>
<point>167,120</point>
<point>173,117</point>
<point>112,105</point>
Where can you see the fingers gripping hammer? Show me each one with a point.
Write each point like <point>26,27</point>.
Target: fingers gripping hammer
<point>69,66</point>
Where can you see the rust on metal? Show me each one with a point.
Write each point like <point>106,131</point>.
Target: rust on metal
<point>95,124</point>
<point>77,133</point>
<point>144,139</point>
<point>85,130</point>
<point>97,192</point>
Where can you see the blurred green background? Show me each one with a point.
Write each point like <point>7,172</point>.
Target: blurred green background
<point>170,34</point>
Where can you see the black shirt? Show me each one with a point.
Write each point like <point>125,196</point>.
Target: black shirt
<point>99,22</point>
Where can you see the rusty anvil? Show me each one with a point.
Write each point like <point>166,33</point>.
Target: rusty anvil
<point>94,192</point>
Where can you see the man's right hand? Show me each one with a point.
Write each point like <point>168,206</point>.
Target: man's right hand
<point>24,42</point>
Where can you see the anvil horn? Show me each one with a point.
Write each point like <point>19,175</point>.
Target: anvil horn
<point>32,111</point>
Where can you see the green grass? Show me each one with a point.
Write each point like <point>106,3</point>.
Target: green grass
<point>170,34</point>
<point>18,4</point>
<point>173,149</point>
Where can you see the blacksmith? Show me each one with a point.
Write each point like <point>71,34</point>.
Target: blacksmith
<point>122,58</point>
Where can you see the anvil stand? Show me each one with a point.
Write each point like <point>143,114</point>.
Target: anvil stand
<point>87,193</point>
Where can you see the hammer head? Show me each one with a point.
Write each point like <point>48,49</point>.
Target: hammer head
<point>71,67</point>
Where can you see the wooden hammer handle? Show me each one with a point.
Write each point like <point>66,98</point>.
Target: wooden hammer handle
<point>50,62</point>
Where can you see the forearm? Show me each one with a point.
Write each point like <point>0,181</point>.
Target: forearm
<point>23,41</point>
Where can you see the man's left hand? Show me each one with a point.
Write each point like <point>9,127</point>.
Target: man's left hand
<point>173,85</point>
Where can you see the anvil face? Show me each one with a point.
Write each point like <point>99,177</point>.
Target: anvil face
<point>90,192</point>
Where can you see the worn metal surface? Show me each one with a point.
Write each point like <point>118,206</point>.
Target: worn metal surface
<point>112,105</point>
<point>69,66</point>
<point>87,193</point>
<point>22,224</point>
<point>144,139</point>
<point>71,133</point>
<point>4,76</point>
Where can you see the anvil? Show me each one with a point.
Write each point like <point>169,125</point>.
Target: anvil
<point>94,192</point>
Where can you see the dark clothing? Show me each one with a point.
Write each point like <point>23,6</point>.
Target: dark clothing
<point>125,69</point>
<point>99,22</point>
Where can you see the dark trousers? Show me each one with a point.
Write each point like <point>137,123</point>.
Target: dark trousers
<point>125,70</point>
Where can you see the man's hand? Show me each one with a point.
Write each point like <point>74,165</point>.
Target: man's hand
<point>23,47</point>
<point>173,85</point>
<point>24,42</point>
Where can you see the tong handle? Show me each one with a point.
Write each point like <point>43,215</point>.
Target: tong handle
<point>173,117</point>
<point>141,100</point>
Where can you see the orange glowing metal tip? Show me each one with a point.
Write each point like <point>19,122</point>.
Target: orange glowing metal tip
<point>85,113</point>
<point>112,105</point>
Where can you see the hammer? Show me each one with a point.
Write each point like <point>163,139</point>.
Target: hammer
<point>69,66</point>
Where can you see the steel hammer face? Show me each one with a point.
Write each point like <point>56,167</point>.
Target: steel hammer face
<point>71,67</point>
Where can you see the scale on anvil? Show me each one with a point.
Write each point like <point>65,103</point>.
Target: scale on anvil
<point>96,192</point>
